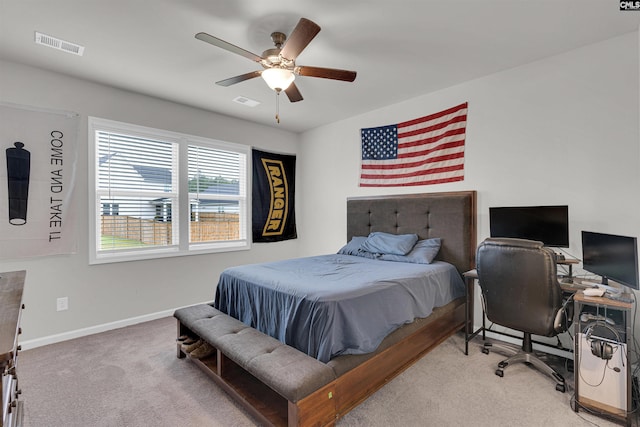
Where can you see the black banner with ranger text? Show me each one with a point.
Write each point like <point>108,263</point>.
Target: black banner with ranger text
<point>273,198</point>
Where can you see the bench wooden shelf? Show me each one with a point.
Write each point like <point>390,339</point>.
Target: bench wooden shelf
<point>331,398</point>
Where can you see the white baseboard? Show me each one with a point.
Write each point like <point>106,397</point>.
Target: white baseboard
<point>52,339</point>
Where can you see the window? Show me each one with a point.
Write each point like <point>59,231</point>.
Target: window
<point>156,193</point>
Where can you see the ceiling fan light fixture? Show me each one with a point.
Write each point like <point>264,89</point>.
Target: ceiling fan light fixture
<point>278,79</point>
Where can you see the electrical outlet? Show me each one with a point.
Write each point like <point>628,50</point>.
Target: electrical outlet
<point>63,303</point>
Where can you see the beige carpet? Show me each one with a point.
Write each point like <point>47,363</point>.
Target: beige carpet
<point>131,377</point>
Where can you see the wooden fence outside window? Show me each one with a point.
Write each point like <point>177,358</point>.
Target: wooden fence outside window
<point>210,227</point>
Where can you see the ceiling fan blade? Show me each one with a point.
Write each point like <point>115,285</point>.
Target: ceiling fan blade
<point>300,37</point>
<point>326,73</point>
<point>293,93</point>
<point>227,46</point>
<point>237,79</point>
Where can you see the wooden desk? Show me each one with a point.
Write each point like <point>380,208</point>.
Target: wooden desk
<point>11,287</point>
<point>470,277</point>
<point>570,262</point>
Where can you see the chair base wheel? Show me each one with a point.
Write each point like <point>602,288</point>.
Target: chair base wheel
<point>503,364</point>
<point>485,350</point>
<point>500,373</point>
<point>561,388</point>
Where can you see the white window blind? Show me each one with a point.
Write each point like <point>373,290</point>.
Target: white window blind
<point>216,195</point>
<point>143,204</point>
<point>137,184</point>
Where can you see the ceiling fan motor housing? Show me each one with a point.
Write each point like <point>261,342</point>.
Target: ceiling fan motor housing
<point>271,57</point>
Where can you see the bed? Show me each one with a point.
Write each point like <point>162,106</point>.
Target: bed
<point>331,378</point>
<point>331,305</point>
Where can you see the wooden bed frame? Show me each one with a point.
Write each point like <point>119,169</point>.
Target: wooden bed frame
<point>450,216</point>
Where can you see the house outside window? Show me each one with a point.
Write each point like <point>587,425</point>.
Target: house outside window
<point>156,193</point>
<point>110,209</point>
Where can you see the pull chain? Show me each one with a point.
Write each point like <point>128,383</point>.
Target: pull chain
<point>278,107</point>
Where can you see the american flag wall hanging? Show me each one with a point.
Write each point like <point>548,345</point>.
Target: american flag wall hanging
<point>427,150</point>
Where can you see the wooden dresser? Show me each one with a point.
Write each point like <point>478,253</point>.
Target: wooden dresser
<point>11,287</point>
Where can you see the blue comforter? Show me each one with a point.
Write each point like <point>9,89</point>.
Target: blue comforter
<point>330,305</point>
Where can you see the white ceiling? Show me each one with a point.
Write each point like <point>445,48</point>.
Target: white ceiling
<point>400,49</point>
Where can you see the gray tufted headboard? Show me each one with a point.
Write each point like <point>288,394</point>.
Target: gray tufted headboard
<point>450,216</point>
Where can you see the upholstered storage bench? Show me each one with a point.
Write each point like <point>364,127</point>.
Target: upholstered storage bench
<point>274,378</point>
<point>282,386</point>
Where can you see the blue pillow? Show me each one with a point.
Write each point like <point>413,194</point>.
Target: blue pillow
<point>370,255</point>
<point>353,246</point>
<point>387,243</point>
<point>424,252</point>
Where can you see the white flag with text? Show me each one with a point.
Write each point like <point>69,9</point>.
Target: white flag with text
<point>37,177</point>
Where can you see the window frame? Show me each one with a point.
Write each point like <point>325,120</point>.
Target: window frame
<point>181,215</point>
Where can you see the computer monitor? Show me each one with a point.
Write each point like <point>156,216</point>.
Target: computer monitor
<point>611,257</point>
<point>547,224</point>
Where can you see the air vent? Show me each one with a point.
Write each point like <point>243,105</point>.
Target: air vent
<point>246,101</point>
<point>59,44</point>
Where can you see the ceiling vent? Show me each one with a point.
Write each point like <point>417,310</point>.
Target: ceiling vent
<point>59,44</point>
<point>246,101</point>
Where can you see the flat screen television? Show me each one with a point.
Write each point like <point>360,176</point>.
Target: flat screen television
<point>546,224</point>
<point>611,257</point>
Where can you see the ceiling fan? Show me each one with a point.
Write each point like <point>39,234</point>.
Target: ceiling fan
<point>279,63</point>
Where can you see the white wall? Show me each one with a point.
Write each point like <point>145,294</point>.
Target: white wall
<point>103,294</point>
<point>563,130</point>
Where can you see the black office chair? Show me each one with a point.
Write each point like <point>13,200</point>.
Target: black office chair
<point>520,290</point>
